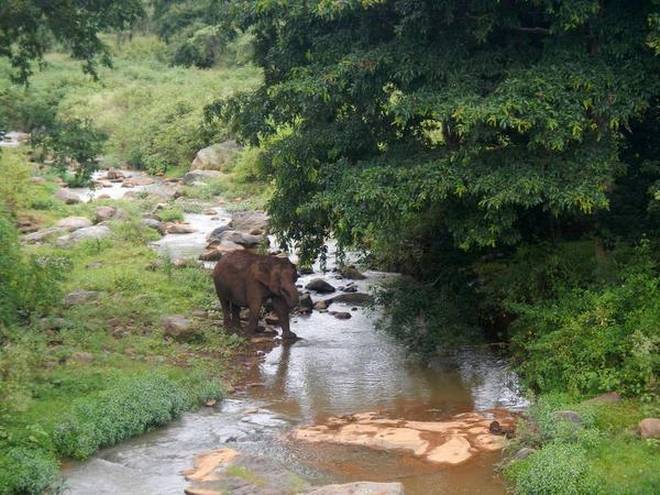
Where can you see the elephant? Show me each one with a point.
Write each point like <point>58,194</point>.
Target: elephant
<point>245,279</point>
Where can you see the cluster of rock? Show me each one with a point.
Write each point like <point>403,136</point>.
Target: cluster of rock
<point>247,230</point>
<point>449,442</point>
<point>228,471</point>
<point>71,230</point>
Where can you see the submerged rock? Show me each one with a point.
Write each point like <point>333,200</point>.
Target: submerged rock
<point>360,488</point>
<point>341,315</point>
<point>356,298</point>
<point>444,442</point>
<point>179,228</point>
<point>351,272</point>
<point>320,285</point>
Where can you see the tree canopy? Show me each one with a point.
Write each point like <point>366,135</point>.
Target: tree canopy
<point>480,120</point>
<point>29,28</point>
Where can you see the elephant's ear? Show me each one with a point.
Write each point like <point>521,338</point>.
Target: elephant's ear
<point>269,277</point>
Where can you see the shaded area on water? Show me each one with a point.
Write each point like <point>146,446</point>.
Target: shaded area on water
<point>340,367</point>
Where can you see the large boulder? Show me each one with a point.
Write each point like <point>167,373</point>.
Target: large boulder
<point>360,488</point>
<point>67,196</point>
<point>350,272</point>
<point>93,232</point>
<point>354,298</point>
<point>73,223</point>
<point>216,233</point>
<point>320,285</point>
<point>138,181</point>
<point>177,327</point>
<point>234,236</point>
<point>104,213</point>
<point>197,176</point>
<point>42,235</point>
<point>217,156</point>
<point>249,221</point>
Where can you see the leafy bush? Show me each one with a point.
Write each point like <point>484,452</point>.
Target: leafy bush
<point>26,471</point>
<point>171,214</point>
<point>15,174</point>
<point>28,284</point>
<point>557,469</point>
<point>126,410</point>
<point>595,340</point>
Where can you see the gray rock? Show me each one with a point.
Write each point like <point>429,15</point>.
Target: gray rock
<point>218,231</point>
<point>247,240</point>
<point>179,228</point>
<point>42,235</point>
<point>360,488</point>
<point>178,327</point>
<point>319,305</point>
<point>306,301</point>
<point>195,176</point>
<point>217,156</point>
<point>351,273</point>
<point>93,232</point>
<point>67,196</point>
<point>649,428</point>
<point>354,298</point>
<point>247,221</point>
<point>73,223</point>
<point>320,285</point>
<point>152,223</point>
<point>104,213</point>
<point>341,315</point>
<point>80,296</point>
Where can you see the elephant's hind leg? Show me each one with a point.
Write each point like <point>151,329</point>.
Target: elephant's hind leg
<point>236,316</point>
<point>226,313</point>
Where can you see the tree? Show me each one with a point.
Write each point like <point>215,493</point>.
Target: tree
<point>389,122</point>
<point>28,29</point>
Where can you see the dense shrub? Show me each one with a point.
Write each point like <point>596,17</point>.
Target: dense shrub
<point>125,410</point>
<point>26,471</point>
<point>595,339</point>
<point>28,284</point>
<point>558,469</point>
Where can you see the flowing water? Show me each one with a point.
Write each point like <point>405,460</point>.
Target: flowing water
<point>340,367</point>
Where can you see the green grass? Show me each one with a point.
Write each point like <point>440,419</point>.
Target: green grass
<point>106,372</point>
<point>603,456</point>
<point>151,111</point>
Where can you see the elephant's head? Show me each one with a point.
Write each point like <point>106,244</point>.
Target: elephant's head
<point>279,276</point>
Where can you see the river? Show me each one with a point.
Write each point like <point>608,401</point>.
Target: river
<point>339,367</point>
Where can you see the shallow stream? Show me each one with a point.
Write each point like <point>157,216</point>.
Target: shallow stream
<point>339,367</point>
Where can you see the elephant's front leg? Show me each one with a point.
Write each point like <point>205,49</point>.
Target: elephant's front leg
<point>282,312</point>
<point>253,321</point>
